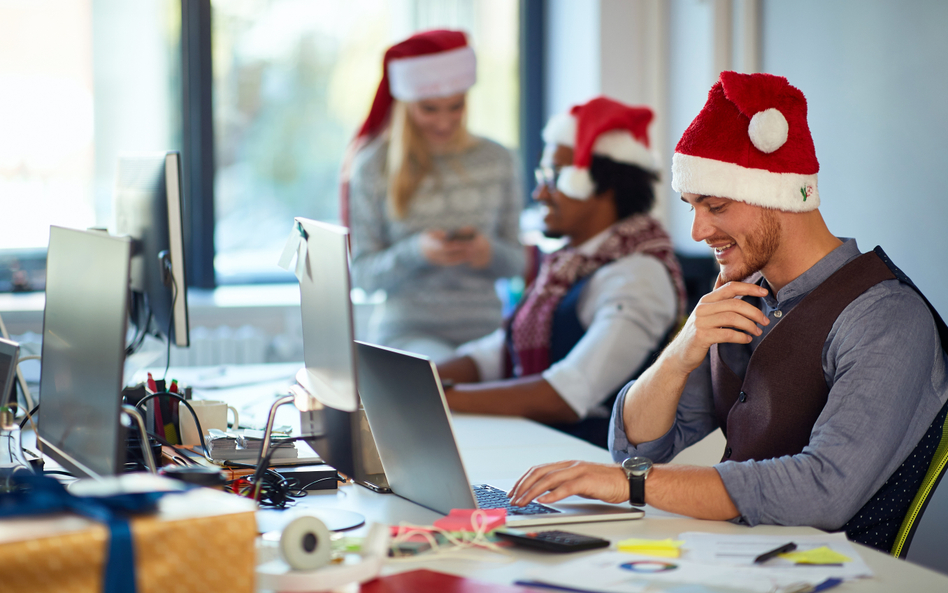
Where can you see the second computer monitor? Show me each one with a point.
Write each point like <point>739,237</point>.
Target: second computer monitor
<point>148,206</point>
<point>84,327</point>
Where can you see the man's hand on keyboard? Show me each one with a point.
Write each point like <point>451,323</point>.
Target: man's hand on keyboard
<point>555,481</point>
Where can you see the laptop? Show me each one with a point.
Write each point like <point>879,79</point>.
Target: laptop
<point>406,408</point>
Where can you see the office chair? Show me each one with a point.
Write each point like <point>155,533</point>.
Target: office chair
<point>923,536</point>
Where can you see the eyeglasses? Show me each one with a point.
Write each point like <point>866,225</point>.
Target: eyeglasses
<point>547,177</point>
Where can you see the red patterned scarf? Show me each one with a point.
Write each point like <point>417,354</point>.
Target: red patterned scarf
<point>531,325</point>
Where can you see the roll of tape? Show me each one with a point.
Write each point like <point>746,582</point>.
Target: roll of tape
<point>305,543</point>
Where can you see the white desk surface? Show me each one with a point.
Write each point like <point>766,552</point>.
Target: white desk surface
<point>497,451</point>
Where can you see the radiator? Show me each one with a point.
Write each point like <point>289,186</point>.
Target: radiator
<point>224,345</point>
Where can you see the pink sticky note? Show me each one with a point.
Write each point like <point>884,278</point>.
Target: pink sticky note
<point>472,519</point>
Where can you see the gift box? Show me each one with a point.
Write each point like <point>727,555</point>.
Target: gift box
<point>199,540</point>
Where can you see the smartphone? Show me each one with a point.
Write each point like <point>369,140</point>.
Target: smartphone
<point>460,235</point>
<point>552,541</point>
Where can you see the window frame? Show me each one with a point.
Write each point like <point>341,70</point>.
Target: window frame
<point>198,162</point>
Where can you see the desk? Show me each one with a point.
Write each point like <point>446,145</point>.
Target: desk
<point>498,450</point>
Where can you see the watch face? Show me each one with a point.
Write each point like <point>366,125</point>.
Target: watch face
<point>637,465</point>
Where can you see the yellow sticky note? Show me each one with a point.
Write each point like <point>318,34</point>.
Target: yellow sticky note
<point>821,555</point>
<point>664,548</point>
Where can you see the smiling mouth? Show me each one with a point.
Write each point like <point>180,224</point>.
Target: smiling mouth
<point>720,250</point>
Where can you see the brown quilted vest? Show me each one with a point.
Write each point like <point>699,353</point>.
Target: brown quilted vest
<point>772,411</point>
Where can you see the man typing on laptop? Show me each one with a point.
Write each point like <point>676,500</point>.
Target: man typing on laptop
<point>601,305</point>
<point>826,369</point>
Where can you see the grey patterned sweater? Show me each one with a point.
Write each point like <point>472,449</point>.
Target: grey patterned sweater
<point>479,188</point>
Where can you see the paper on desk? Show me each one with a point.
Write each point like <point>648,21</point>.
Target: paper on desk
<point>620,572</point>
<point>711,560</point>
<point>295,245</point>
<point>740,550</point>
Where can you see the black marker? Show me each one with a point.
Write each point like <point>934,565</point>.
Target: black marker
<point>775,552</point>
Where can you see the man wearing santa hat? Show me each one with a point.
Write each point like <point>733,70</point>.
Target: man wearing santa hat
<point>601,305</point>
<point>825,368</point>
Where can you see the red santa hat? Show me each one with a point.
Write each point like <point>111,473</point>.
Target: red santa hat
<point>430,64</point>
<point>750,143</point>
<point>602,127</point>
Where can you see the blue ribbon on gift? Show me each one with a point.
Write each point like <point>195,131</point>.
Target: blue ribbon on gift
<point>40,495</point>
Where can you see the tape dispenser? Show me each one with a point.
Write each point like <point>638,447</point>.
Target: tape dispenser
<point>304,558</point>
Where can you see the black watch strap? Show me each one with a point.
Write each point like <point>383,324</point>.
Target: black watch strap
<point>637,490</point>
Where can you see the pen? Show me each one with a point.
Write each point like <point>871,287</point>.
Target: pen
<point>808,588</point>
<point>775,552</point>
<point>542,585</point>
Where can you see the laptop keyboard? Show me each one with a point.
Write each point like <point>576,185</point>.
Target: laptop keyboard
<point>489,497</point>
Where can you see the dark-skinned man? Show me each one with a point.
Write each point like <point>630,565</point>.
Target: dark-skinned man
<point>601,305</point>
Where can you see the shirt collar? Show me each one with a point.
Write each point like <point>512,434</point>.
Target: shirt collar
<point>590,246</point>
<point>819,272</point>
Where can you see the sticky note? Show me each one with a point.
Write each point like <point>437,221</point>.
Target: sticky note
<point>821,555</point>
<point>663,548</point>
<point>472,519</point>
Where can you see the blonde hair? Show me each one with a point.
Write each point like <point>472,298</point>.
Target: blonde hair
<point>410,158</point>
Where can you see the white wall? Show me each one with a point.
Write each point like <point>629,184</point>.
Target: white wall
<point>691,72</point>
<point>616,48</point>
<point>875,79</point>
<point>572,54</point>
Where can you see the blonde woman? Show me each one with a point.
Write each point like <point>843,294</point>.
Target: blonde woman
<point>433,210</point>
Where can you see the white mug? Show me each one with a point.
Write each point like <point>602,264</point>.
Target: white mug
<point>211,414</point>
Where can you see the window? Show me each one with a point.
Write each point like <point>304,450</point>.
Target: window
<point>80,82</point>
<point>293,80</point>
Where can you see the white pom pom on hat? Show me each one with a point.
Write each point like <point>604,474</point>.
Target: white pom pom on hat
<point>768,130</point>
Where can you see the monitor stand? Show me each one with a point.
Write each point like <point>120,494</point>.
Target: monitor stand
<point>318,422</point>
<point>346,443</point>
<point>131,416</point>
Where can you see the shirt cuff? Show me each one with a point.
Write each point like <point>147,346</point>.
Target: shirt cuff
<point>620,447</point>
<point>570,385</point>
<point>743,490</point>
<point>487,354</point>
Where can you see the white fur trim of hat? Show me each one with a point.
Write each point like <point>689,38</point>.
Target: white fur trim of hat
<point>793,192</point>
<point>433,75</point>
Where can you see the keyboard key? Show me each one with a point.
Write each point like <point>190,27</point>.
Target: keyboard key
<point>490,497</point>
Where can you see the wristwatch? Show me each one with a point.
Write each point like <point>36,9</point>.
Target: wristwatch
<point>636,470</point>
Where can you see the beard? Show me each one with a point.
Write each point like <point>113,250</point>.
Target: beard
<point>760,245</point>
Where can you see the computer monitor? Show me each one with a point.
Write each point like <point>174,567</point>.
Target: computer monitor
<point>148,206</point>
<point>84,331</point>
<point>9,354</point>
<point>329,353</point>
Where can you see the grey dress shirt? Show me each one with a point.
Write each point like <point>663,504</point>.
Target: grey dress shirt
<point>886,371</point>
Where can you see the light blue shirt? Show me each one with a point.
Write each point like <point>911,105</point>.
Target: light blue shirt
<point>886,370</point>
